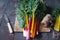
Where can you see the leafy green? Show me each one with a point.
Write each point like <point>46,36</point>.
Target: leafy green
<point>20,18</point>
<point>56,12</point>
<point>42,10</point>
<point>25,7</point>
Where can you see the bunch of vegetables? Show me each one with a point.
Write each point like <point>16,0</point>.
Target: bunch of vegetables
<point>56,14</point>
<point>26,10</point>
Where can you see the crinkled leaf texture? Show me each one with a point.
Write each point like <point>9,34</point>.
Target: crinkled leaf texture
<point>20,18</point>
<point>25,6</point>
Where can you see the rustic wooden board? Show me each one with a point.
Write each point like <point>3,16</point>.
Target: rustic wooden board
<point>16,27</point>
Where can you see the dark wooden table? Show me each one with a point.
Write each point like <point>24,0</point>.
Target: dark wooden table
<point>8,7</point>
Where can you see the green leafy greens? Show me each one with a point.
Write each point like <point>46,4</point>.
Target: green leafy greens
<point>25,7</point>
<point>56,12</point>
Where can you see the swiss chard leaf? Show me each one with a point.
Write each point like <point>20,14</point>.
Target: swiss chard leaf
<point>56,12</point>
<point>25,6</point>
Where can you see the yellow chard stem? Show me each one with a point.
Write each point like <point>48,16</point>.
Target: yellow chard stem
<point>57,24</point>
<point>27,21</point>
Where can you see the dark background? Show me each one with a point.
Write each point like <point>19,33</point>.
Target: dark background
<point>8,7</point>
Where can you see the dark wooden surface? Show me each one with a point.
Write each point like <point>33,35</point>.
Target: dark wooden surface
<point>8,7</point>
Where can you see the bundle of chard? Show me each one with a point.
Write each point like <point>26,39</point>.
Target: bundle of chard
<point>26,15</point>
<point>56,14</point>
